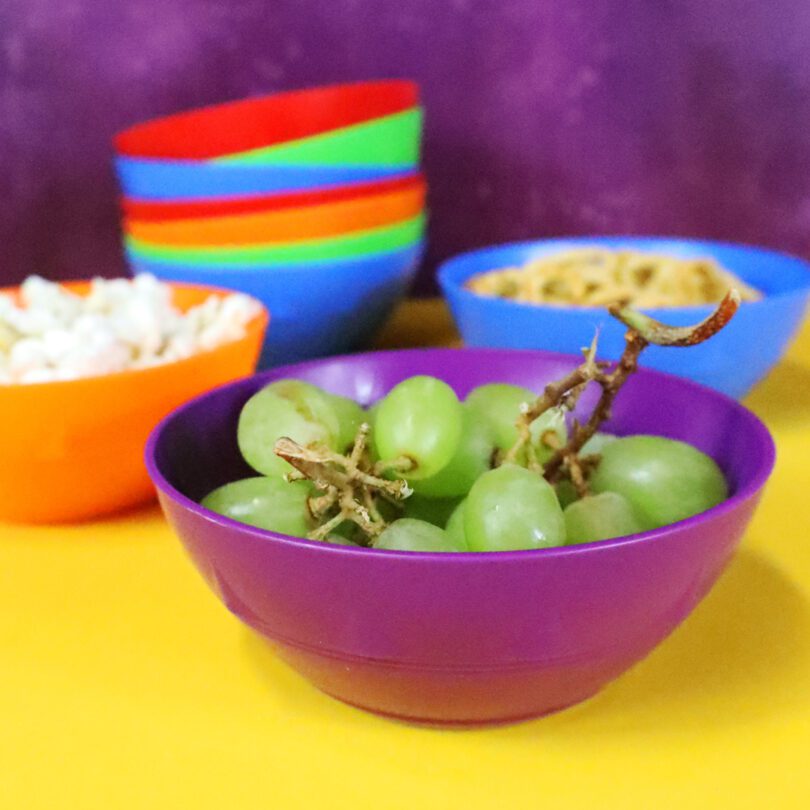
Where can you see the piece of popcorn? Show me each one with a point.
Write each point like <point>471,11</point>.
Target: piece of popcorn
<point>33,322</point>
<point>37,375</point>
<point>181,346</point>
<point>27,355</point>
<point>8,336</point>
<point>65,374</point>
<point>58,343</point>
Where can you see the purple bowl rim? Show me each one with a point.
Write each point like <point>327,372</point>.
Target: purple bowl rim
<point>700,310</point>
<point>763,438</point>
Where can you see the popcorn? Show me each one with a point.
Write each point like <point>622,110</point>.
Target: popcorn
<point>27,354</point>
<point>119,325</point>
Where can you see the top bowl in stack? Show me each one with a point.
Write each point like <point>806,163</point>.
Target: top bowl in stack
<point>312,201</point>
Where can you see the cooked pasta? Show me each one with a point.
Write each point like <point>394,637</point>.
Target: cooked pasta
<point>596,277</point>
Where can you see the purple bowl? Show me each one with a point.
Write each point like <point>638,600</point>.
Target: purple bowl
<point>463,639</point>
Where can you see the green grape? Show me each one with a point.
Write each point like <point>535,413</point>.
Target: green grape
<point>431,510</point>
<point>350,416</point>
<point>339,540</point>
<point>268,503</point>
<point>664,480</point>
<point>597,443</point>
<point>566,493</point>
<point>289,408</point>
<point>512,508</point>
<point>455,524</point>
<point>420,420</point>
<point>472,458</point>
<point>600,517</point>
<point>347,530</point>
<point>370,416</point>
<point>407,534</point>
<point>500,404</point>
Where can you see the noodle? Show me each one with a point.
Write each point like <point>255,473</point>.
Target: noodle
<point>596,277</point>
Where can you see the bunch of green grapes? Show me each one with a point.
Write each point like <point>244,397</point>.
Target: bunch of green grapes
<point>450,452</point>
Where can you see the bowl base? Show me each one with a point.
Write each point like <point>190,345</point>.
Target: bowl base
<point>460,725</point>
<point>445,698</point>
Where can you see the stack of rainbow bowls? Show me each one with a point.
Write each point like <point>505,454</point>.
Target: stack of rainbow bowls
<point>312,201</point>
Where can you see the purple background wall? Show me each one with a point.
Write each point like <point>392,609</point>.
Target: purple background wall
<point>560,116</point>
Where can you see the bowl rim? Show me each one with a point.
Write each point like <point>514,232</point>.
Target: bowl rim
<point>404,86</point>
<point>762,437</point>
<point>449,268</point>
<point>259,322</point>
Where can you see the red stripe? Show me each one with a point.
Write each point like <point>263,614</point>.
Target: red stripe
<point>145,210</point>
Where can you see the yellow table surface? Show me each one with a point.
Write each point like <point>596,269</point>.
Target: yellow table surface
<point>124,683</point>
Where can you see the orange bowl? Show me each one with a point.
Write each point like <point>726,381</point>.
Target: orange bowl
<point>74,450</point>
<point>296,224</point>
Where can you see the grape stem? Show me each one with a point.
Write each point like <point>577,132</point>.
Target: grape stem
<point>643,331</point>
<point>347,486</point>
<point>403,464</point>
<point>563,393</point>
<point>567,456</point>
<point>661,334</point>
<point>578,469</point>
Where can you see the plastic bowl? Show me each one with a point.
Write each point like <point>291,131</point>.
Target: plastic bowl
<point>186,180</point>
<point>239,126</point>
<point>731,362</point>
<point>291,224</point>
<point>468,638</point>
<point>318,309</point>
<point>74,450</point>
<point>170,210</point>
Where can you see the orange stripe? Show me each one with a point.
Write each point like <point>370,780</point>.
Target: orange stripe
<point>313,222</point>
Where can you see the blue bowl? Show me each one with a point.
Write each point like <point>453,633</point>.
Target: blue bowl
<point>187,180</point>
<point>316,309</point>
<point>732,362</point>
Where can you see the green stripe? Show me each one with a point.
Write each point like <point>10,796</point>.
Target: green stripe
<point>389,141</point>
<point>362,243</point>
